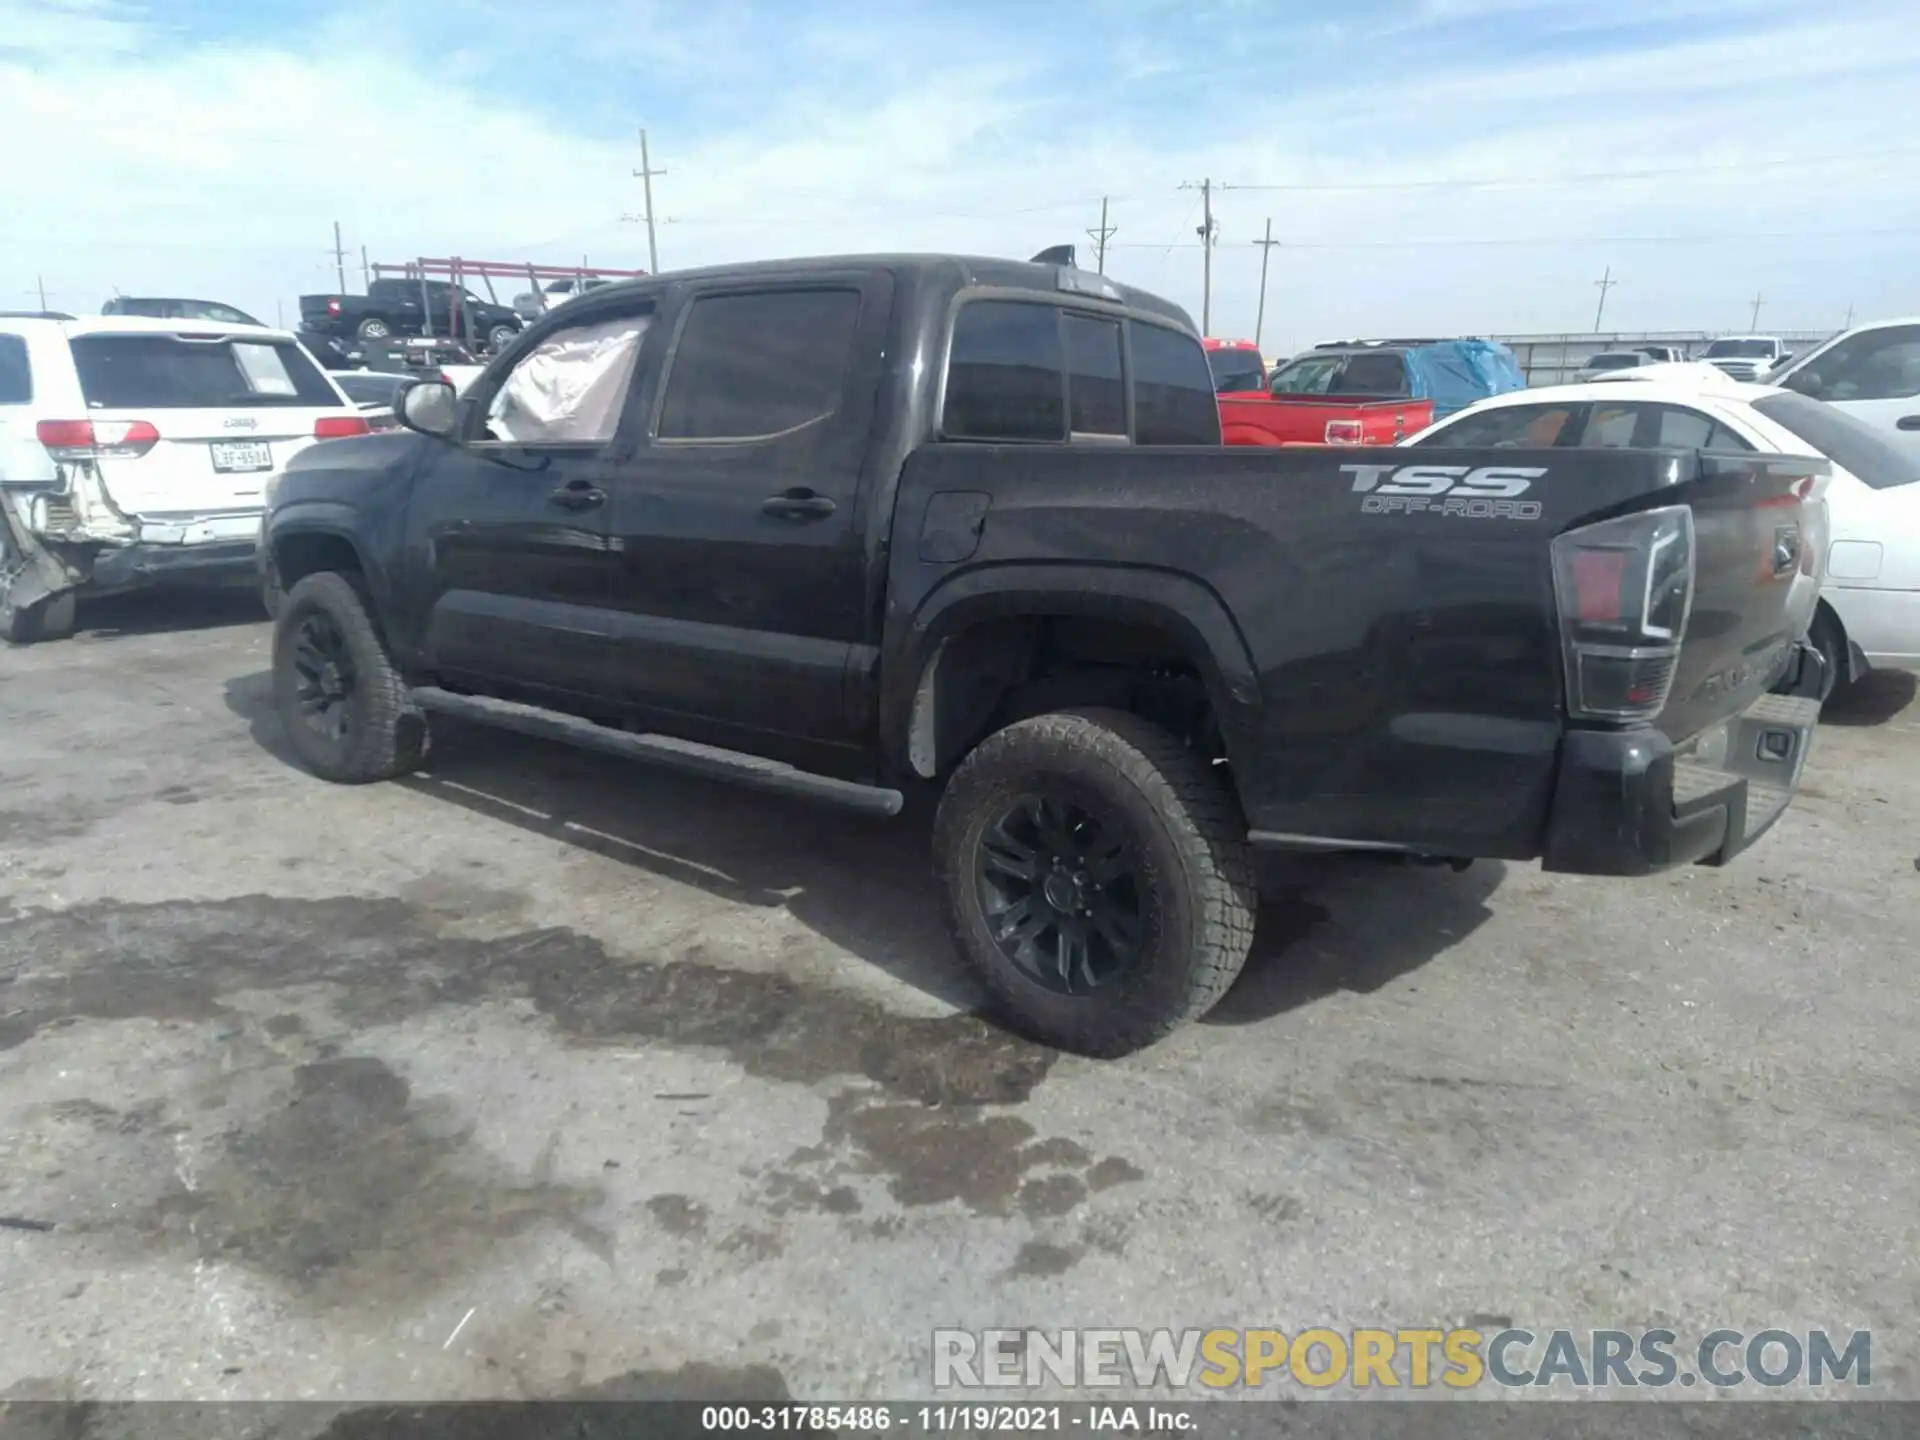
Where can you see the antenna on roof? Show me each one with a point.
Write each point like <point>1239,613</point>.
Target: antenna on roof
<point>1056,255</point>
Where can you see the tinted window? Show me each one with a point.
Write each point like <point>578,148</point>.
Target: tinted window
<point>1616,362</point>
<point>1740,350</point>
<point>1877,365</point>
<point>1690,430</point>
<point>753,366</point>
<point>16,375</point>
<point>1506,427</point>
<point>1844,440</point>
<point>1096,396</point>
<point>1382,374</point>
<point>1312,376</point>
<point>371,389</point>
<point>1005,372</point>
<point>1610,427</point>
<point>159,372</point>
<point>1173,399</point>
<point>1236,372</point>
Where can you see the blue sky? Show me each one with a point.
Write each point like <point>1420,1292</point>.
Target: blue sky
<point>1429,165</point>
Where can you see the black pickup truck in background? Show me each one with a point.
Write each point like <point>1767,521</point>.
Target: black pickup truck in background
<point>855,528</point>
<point>411,307</point>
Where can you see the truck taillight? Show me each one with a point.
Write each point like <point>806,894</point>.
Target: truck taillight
<point>1625,594</point>
<point>91,439</point>
<point>333,306</point>
<point>339,427</point>
<point>1346,432</point>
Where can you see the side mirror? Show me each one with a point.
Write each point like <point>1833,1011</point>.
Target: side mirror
<point>428,406</point>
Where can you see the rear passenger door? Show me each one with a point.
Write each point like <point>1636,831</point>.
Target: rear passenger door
<point>739,570</point>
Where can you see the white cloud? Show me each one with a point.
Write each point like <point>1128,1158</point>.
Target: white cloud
<point>220,170</point>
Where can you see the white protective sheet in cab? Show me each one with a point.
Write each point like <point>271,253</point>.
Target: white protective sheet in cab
<point>571,389</point>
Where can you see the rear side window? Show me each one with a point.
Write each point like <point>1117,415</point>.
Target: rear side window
<point>1507,427</point>
<point>16,375</point>
<point>1383,374</point>
<point>161,372</point>
<point>1005,373</point>
<point>751,367</point>
<point>1690,430</point>
<point>1855,447</point>
<point>1096,394</point>
<point>1610,427</point>
<point>1173,399</point>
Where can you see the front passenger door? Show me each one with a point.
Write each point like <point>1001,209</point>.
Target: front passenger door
<point>509,527</point>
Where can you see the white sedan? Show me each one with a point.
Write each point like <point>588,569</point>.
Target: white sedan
<point>1869,612</point>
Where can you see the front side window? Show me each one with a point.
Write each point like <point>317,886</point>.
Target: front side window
<point>1173,397</point>
<point>1876,365</point>
<point>1506,427</point>
<point>571,388</point>
<point>1006,372</point>
<point>1312,376</point>
<point>752,367</point>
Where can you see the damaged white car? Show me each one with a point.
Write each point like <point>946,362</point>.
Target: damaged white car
<point>137,451</point>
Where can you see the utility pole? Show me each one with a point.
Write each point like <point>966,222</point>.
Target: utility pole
<point>1266,252</point>
<point>1205,187</point>
<point>1100,237</point>
<point>41,281</point>
<point>1606,282</point>
<point>339,258</point>
<point>1849,324</point>
<point>1754,323</point>
<point>366,270</point>
<point>645,175</point>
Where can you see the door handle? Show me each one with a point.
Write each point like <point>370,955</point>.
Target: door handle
<point>578,495</point>
<point>797,504</point>
<point>1907,422</point>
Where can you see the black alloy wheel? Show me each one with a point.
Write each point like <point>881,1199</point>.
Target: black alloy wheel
<point>324,677</point>
<point>1062,894</point>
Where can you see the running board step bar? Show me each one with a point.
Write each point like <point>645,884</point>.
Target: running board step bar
<point>697,759</point>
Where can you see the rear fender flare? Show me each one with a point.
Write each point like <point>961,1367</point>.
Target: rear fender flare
<point>1178,605</point>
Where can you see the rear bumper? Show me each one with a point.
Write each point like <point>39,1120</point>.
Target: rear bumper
<point>132,566</point>
<point>1630,802</point>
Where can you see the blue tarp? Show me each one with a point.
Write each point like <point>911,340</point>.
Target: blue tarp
<point>1455,373</point>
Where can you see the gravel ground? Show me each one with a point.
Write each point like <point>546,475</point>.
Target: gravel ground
<point>540,1072</point>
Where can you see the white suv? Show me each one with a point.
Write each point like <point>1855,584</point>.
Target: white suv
<point>134,449</point>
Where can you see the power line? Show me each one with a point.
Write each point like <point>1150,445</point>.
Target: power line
<point>1567,240</point>
<point>1587,177</point>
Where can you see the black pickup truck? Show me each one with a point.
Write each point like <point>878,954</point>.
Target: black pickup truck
<point>410,307</point>
<point>856,528</point>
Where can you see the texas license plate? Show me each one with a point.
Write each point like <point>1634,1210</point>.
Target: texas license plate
<point>239,457</point>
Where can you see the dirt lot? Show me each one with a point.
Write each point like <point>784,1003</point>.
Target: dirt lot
<point>636,1074</point>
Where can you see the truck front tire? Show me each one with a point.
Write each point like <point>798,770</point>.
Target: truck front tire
<point>1096,877</point>
<point>43,620</point>
<point>341,701</point>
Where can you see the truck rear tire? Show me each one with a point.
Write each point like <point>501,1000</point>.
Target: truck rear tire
<point>341,701</point>
<point>54,619</point>
<point>374,328</point>
<point>1097,878</point>
<point>501,336</point>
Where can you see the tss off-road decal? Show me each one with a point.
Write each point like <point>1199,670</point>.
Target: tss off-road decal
<point>1486,492</point>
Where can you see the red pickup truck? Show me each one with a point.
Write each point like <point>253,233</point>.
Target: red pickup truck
<point>1267,420</point>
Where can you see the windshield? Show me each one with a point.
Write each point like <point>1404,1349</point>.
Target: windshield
<point>1740,350</point>
<point>1236,372</point>
<point>1616,362</point>
<point>1855,447</point>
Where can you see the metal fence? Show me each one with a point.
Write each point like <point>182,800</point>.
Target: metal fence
<point>1554,359</point>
